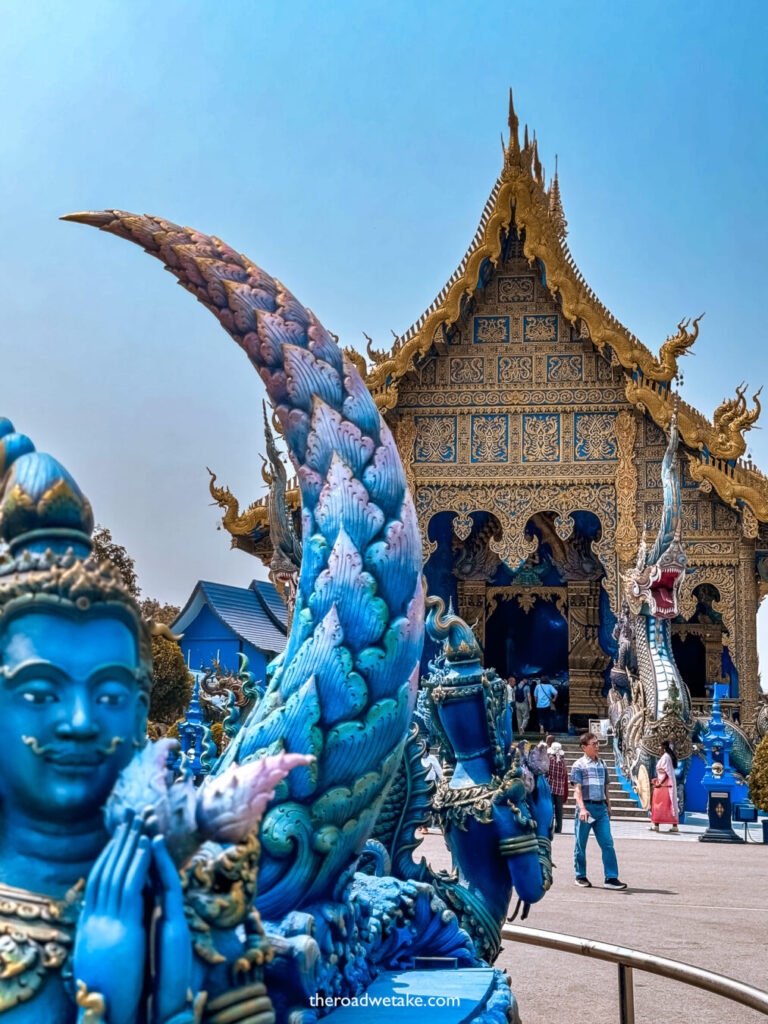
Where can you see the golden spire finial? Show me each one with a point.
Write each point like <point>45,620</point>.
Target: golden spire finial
<point>556,212</point>
<point>514,125</point>
<point>537,168</point>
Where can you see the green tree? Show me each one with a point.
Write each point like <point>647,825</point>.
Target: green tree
<point>108,550</point>
<point>171,682</point>
<point>153,610</point>
<point>758,778</point>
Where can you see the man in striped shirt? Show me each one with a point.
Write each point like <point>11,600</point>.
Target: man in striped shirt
<point>589,778</point>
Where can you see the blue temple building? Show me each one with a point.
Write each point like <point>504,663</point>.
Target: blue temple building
<point>219,622</point>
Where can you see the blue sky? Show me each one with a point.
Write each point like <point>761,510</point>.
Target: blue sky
<point>348,149</point>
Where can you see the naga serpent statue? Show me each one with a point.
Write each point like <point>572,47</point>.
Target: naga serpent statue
<point>660,708</point>
<point>645,668</point>
<point>126,897</point>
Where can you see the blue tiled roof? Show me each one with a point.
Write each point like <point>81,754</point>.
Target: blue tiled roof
<point>252,613</point>
<point>273,603</point>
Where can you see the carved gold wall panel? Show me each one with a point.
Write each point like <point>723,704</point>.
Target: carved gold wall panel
<point>513,506</point>
<point>626,488</point>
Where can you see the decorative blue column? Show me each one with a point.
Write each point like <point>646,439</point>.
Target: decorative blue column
<point>719,780</point>
<point>194,756</point>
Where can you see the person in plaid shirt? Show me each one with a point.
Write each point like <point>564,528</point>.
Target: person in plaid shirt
<point>589,778</point>
<point>557,776</point>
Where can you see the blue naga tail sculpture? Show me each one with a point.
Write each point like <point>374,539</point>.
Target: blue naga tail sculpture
<point>345,686</point>
<point>344,690</point>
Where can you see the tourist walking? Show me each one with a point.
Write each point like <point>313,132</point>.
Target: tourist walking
<point>557,776</point>
<point>589,778</point>
<point>664,805</point>
<point>544,695</point>
<point>521,695</point>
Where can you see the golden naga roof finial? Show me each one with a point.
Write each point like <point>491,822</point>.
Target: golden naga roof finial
<point>665,367</point>
<point>234,521</point>
<point>374,354</point>
<point>732,418</point>
<point>357,360</point>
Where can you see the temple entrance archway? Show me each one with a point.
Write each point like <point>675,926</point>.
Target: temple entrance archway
<point>527,631</point>
<point>698,643</point>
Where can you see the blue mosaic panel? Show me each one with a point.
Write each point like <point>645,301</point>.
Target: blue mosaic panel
<point>491,330</point>
<point>541,437</point>
<point>516,289</point>
<point>490,439</point>
<point>435,439</point>
<point>565,369</point>
<point>541,327</point>
<point>513,369</point>
<point>594,437</point>
<point>467,370</point>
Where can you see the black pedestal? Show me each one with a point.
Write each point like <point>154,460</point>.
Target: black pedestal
<point>719,811</point>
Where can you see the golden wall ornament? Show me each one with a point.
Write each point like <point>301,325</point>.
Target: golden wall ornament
<point>749,523</point>
<point>724,578</point>
<point>745,657</point>
<point>526,597</point>
<point>405,439</point>
<point>513,505</point>
<point>626,488</point>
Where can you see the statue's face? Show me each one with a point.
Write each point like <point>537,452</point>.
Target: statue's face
<point>70,708</point>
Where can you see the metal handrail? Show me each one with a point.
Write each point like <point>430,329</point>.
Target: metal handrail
<point>627,959</point>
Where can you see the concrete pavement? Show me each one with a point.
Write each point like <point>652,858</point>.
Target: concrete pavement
<point>705,904</point>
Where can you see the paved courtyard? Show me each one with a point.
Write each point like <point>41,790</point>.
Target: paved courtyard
<point>705,904</point>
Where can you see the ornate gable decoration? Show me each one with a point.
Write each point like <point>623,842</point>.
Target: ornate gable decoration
<point>520,196</point>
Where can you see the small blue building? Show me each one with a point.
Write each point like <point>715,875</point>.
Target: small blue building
<point>220,622</point>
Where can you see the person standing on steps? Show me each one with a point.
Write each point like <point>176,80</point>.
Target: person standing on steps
<point>544,695</point>
<point>521,697</point>
<point>589,778</point>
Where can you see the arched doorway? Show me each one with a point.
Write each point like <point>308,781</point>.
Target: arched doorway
<point>527,633</point>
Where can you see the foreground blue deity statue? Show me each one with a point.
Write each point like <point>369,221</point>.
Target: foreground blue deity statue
<point>127,897</point>
<point>92,833</point>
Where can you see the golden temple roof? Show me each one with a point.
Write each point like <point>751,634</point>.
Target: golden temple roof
<point>520,196</point>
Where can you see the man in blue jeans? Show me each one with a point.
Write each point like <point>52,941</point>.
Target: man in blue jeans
<point>589,778</point>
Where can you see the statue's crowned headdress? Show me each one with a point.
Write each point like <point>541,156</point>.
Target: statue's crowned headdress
<point>46,522</point>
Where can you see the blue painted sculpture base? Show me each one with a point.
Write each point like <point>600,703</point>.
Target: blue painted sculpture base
<point>458,996</point>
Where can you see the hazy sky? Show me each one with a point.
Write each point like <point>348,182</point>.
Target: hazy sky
<point>348,148</point>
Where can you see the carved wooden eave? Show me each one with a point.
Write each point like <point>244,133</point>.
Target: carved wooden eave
<point>520,196</point>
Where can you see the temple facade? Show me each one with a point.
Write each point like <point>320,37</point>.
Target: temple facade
<point>532,426</point>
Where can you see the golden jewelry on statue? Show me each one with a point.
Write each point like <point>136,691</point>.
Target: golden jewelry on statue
<point>36,936</point>
<point>92,1002</point>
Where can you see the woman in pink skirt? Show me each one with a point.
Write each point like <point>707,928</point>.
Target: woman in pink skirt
<point>664,806</point>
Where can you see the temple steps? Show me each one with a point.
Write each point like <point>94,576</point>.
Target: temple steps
<point>623,806</point>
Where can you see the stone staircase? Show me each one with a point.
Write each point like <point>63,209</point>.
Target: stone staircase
<point>623,806</point>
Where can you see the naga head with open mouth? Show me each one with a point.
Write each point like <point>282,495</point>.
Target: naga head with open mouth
<point>653,586</point>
